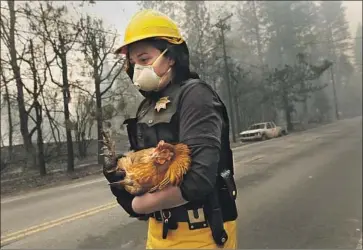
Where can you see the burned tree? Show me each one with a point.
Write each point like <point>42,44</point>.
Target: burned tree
<point>34,59</point>
<point>8,103</point>
<point>61,38</point>
<point>8,36</point>
<point>97,47</point>
<point>292,84</point>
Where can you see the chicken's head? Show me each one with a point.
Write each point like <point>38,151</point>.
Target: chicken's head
<point>163,153</point>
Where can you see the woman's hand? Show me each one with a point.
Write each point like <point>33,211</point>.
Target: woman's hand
<point>113,176</point>
<point>122,196</point>
<point>151,202</point>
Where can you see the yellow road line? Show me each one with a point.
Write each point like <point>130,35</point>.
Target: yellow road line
<point>57,220</point>
<point>44,226</point>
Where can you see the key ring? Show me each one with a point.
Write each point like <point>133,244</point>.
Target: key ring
<point>169,215</point>
<point>166,218</point>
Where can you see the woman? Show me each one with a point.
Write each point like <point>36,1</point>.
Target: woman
<point>201,213</point>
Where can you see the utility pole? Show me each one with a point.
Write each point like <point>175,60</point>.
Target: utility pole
<point>222,26</point>
<point>335,93</point>
<point>332,52</point>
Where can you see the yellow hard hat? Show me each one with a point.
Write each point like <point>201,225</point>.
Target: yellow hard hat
<point>147,24</point>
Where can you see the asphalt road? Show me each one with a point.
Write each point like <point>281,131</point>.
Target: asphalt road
<point>299,191</point>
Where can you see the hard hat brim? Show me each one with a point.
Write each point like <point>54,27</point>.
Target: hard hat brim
<point>123,49</point>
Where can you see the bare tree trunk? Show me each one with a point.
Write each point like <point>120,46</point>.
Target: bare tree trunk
<point>305,112</point>
<point>66,100</point>
<point>53,127</point>
<point>38,88</point>
<point>83,144</point>
<point>238,114</point>
<point>99,117</point>
<point>287,109</point>
<point>65,92</point>
<point>40,144</point>
<point>10,122</point>
<point>23,116</point>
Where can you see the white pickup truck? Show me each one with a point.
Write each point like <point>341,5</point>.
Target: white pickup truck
<point>262,131</point>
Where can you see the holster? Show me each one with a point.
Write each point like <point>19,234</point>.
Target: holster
<point>221,206</point>
<point>227,194</point>
<point>214,216</point>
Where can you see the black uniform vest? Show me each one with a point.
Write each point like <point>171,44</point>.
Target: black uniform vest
<point>148,127</point>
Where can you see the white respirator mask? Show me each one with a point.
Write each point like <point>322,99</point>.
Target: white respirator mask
<point>146,79</point>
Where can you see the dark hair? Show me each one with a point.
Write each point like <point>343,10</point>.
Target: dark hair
<point>179,53</point>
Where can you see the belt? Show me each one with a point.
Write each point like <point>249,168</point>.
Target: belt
<point>181,214</point>
<point>195,217</point>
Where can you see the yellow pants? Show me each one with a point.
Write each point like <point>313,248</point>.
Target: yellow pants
<point>184,238</point>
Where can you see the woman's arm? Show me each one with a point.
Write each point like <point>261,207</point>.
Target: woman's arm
<point>200,128</point>
<point>151,202</point>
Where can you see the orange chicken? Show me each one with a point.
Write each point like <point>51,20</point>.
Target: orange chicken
<point>151,169</point>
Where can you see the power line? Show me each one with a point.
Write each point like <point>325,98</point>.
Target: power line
<point>222,20</point>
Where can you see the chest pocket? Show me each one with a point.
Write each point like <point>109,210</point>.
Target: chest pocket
<point>153,126</point>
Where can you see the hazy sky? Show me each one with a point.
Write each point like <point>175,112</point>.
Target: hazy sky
<point>118,13</point>
<point>354,14</point>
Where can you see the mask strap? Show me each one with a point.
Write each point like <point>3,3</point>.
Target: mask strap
<point>160,56</point>
<point>166,73</point>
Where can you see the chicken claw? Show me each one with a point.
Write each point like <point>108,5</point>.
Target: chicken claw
<point>121,183</point>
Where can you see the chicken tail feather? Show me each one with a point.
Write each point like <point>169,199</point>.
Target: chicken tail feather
<point>179,166</point>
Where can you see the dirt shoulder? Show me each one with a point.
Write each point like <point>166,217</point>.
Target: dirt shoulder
<point>26,184</point>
